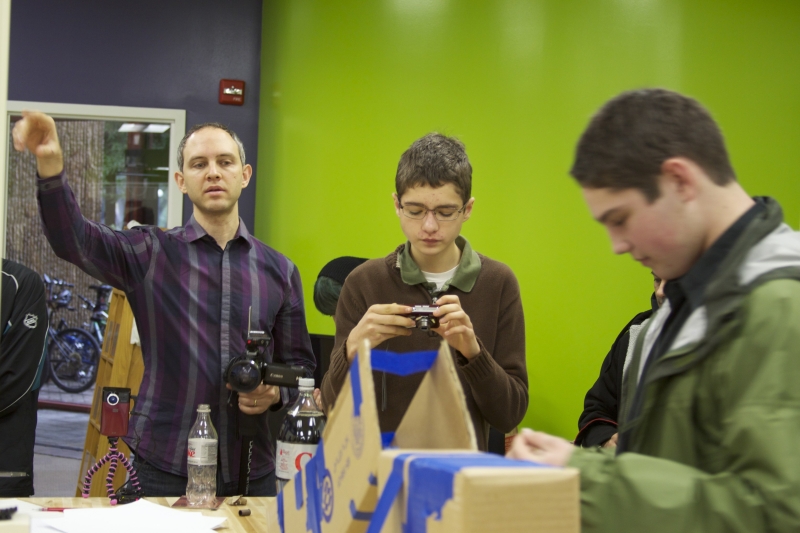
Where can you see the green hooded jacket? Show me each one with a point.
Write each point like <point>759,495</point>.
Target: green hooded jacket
<point>715,446</point>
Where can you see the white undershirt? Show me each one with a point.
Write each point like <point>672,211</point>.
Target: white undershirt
<point>439,278</point>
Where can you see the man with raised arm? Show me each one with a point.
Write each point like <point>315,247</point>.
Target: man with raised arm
<point>190,289</point>
<point>710,416</point>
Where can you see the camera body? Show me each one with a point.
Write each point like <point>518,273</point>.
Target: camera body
<point>423,317</point>
<point>115,412</point>
<point>245,373</point>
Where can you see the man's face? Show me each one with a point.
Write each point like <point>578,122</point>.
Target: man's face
<point>429,236</point>
<point>662,235</point>
<point>212,174</point>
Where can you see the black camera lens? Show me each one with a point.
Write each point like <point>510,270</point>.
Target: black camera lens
<point>244,375</point>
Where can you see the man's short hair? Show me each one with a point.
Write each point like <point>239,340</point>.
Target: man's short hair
<point>435,160</point>
<point>330,281</point>
<point>198,127</point>
<point>634,133</point>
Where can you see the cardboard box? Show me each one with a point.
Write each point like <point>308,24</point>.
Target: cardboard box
<point>338,489</point>
<point>458,492</point>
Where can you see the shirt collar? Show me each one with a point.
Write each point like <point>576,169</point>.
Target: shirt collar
<point>464,279</point>
<point>694,283</point>
<point>194,231</point>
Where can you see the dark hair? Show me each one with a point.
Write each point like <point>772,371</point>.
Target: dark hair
<point>330,281</point>
<point>326,295</point>
<point>198,127</point>
<point>435,160</point>
<point>634,133</point>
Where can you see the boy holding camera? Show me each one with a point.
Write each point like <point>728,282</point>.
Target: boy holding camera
<point>475,300</point>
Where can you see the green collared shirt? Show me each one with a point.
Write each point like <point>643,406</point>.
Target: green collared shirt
<point>464,279</point>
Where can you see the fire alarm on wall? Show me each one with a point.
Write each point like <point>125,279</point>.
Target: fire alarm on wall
<point>231,92</point>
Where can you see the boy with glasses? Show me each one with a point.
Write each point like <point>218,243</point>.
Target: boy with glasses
<point>479,308</point>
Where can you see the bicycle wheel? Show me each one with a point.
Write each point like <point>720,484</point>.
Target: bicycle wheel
<point>74,355</point>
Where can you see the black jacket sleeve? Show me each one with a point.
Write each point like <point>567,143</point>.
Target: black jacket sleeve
<point>24,327</point>
<point>598,421</point>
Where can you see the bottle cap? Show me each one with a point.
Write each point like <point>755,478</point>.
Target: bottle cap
<point>306,383</point>
<point>203,408</point>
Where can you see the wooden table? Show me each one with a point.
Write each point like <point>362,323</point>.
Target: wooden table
<point>263,511</point>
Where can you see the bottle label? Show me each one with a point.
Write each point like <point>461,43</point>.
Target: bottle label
<point>202,452</point>
<point>290,458</point>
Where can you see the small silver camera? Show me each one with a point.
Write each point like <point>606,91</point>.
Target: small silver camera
<point>423,317</point>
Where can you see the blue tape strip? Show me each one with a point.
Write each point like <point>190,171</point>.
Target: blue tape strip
<point>312,495</point>
<point>280,511</point>
<point>298,489</point>
<point>430,481</point>
<point>387,438</point>
<point>402,364</point>
<point>355,384</point>
<point>390,490</point>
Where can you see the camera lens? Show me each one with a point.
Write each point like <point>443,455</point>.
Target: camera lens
<point>244,376</point>
<point>423,323</point>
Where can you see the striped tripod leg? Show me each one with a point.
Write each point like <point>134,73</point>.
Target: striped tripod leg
<point>113,454</point>
<point>134,477</point>
<point>87,481</point>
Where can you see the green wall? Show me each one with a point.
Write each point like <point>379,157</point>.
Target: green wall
<point>348,85</point>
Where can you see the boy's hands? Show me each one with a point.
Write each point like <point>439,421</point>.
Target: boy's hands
<point>455,326</point>
<point>36,132</point>
<point>381,322</point>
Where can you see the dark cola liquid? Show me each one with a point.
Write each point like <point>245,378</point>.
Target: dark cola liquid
<point>297,443</point>
<point>302,428</point>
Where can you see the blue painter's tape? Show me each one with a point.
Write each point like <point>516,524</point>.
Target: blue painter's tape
<point>390,490</point>
<point>312,496</point>
<point>372,479</point>
<point>298,489</point>
<point>355,384</point>
<point>387,438</point>
<point>280,512</point>
<point>402,364</point>
<point>430,481</point>
<point>359,515</point>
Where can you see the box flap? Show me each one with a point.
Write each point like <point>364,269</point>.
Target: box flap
<point>439,403</point>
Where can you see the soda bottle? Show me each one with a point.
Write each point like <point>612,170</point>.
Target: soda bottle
<point>201,489</point>
<point>299,435</point>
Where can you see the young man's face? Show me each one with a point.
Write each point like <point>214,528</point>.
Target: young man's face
<point>428,236</point>
<point>212,174</point>
<point>662,235</point>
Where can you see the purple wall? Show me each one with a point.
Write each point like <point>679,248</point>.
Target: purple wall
<point>148,53</point>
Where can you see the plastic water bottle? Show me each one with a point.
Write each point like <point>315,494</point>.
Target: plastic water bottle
<point>299,435</point>
<point>201,490</point>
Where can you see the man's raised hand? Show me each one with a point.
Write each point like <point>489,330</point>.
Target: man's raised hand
<point>36,132</point>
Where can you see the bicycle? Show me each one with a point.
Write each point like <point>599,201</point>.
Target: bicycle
<point>72,353</point>
<point>99,308</point>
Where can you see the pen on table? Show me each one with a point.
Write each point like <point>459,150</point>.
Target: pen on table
<point>54,509</point>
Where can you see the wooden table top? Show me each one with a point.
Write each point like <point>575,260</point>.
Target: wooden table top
<point>263,511</point>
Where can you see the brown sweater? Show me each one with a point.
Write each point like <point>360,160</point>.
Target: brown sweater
<point>495,382</point>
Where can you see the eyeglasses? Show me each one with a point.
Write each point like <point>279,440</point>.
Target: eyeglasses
<point>442,214</point>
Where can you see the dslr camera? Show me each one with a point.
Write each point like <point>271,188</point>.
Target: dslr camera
<point>423,317</point>
<point>246,372</point>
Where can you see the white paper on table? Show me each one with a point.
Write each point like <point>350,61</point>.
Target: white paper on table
<point>134,517</point>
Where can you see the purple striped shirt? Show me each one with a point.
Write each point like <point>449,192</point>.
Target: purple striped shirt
<point>190,299</point>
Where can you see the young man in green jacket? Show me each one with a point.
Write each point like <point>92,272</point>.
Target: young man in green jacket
<point>478,300</point>
<point>710,401</point>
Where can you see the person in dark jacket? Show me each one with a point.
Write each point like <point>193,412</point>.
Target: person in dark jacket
<point>598,422</point>
<point>24,328</point>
